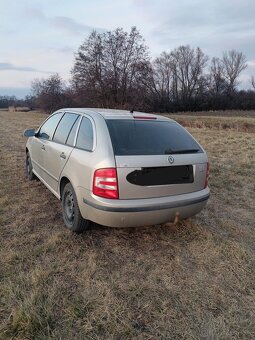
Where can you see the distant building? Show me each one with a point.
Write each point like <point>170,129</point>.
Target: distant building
<point>12,108</point>
<point>19,109</point>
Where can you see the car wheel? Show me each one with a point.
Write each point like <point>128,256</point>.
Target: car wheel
<point>29,168</point>
<point>71,212</point>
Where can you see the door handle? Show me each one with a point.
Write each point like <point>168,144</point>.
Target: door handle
<point>43,148</point>
<point>62,155</point>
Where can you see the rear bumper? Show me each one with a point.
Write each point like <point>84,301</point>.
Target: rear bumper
<point>140,212</point>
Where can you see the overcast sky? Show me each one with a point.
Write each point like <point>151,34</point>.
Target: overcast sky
<point>38,38</point>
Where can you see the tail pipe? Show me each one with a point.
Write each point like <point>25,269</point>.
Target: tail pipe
<point>177,218</point>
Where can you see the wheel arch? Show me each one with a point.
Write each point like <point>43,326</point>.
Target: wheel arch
<point>64,180</point>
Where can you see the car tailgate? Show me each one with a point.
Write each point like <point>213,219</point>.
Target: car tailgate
<point>153,176</point>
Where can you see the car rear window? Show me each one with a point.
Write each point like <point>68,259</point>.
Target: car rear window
<point>140,137</point>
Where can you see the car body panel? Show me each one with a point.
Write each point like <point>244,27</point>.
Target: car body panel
<point>82,164</point>
<point>36,149</point>
<point>56,156</point>
<point>127,164</point>
<point>140,212</point>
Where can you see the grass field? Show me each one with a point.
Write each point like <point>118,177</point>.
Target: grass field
<point>191,281</point>
<point>220,113</point>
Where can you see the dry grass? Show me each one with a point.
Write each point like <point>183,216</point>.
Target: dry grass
<point>239,124</point>
<point>194,281</point>
<point>220,113</point>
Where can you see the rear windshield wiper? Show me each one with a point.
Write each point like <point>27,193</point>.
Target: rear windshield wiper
<point>171,152</point>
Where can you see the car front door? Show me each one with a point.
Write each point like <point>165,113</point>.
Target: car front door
<point>40,142</point>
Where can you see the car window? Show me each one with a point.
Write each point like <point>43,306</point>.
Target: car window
<point>140,137</point>
<point>72,133</point>
<point>71,137</point>
<point>48,128</point>
<point>85,135</point>
<point>64,127</point>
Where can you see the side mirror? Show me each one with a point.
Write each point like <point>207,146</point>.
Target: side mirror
<point>29,133</point>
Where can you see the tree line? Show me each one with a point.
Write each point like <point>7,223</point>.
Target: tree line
<point>114,70</point>
<point>6,101</point>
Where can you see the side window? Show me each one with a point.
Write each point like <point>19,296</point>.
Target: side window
<point>85,135</point>
<point>70,139</point>
<point>48,128</point>
<point>64,127</point>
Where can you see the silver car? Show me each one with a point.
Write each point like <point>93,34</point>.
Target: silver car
<point>118,168</point>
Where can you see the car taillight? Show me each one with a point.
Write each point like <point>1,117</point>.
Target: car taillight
<point>105,183</point>
<point>207,175</point>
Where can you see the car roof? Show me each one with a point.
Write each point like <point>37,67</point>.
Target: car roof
<point>115,114</point>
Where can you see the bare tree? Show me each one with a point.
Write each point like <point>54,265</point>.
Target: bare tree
<point>188,65</point>
<point>108,64</point>
<point>219,83</point>
<point>88,70</point>
<point>157,78</point>
<point>177,76</point>
<point>253,82</point>
<point>125,53</point>
<point>233,64</point>
<point>163,72</point>
<point>49,93</point>
<point>6,101</point>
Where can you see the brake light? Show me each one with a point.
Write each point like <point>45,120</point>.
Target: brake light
<point>207,175</point>
<point>144,117</point>
<point>105,183</point>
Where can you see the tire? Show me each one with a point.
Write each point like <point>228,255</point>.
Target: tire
<point>71,212</point>
<point>29,168</point>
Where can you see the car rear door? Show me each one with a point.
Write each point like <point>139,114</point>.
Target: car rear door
<point>59,149</point>
<point>156,158</point>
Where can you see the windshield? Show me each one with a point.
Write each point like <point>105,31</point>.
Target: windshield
<point>140,137</point>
